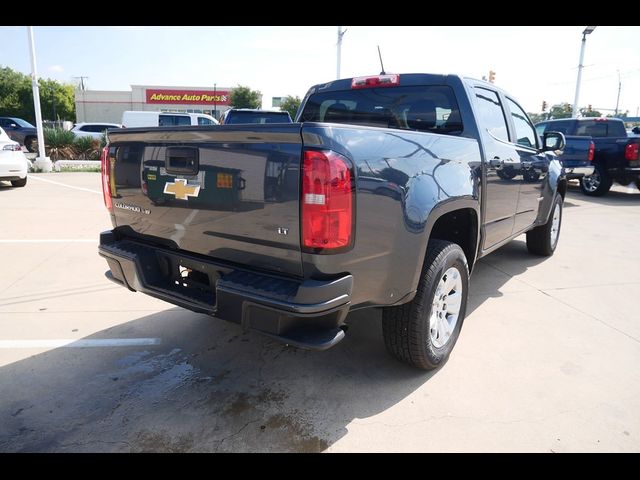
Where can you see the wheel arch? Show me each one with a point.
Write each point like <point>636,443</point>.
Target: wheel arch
<point>456,221</point>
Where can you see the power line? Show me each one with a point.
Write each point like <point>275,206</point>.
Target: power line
<point>81,82</point>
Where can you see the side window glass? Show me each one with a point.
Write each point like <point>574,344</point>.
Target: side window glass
<point>525,133</point>
<point>490,113</point>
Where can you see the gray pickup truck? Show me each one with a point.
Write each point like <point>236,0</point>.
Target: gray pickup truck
<point>384,193</point>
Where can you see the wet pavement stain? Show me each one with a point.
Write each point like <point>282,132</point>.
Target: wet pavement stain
<point>161,442</point>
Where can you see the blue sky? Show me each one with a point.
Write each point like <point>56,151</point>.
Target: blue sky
<point>533,63</point>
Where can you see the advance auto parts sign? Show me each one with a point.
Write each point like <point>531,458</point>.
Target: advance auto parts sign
<point>188,97</point>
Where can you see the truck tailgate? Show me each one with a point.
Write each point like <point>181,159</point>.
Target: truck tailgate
<point>228,192</point>
<point>576,152</point>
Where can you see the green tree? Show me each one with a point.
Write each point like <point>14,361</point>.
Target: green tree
<point>244,97</point>
<point>585,112</point>
<point>290,104</point>
<point>16,97</point>
<point>59,98</point>
<point>15,94</point>
<point>560,110</point>
<point>537,117</point>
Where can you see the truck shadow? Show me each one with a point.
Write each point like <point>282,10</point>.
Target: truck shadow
<point>210,387</point>
<point>614,198</point>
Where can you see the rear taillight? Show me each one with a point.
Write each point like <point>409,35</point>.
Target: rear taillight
<point>592,151</point>
<point>105,167</point>
<point>327,202</point>
<point>631,151</point>
<point>376,81</point>
<point>14,147</point>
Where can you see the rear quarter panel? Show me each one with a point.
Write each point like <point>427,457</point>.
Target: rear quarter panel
<point>401,179</point>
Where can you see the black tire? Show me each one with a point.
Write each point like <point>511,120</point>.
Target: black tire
<point>31,144</point>
<point>506,174</point>
<point>597,184</point>
<point>540,240</point>
<point>531,175</point>
<point>406,328</point>
<point>19,183</point>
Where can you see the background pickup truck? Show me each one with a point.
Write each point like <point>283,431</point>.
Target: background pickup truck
<point>616,154</point>
<point>250,115</point>
<point>383,194</point>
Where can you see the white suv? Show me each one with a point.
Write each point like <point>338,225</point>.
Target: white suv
<point>94,130</point>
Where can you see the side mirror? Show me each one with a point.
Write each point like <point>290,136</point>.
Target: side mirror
<point>553,141</point>
<point>636,130</point>
<point>13,125</point>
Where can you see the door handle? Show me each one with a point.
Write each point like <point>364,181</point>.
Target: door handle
<point>496,162</point>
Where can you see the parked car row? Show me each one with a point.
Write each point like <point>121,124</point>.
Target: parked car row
<point>13,162</point>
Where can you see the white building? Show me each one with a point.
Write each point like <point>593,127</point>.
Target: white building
<point>108,105</point>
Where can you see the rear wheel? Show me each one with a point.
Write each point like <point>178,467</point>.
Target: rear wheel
<point>19,183</point>
<point>30,144</point>
<point>543,240</point>
<point>423,332</point>
<point>597,184</point>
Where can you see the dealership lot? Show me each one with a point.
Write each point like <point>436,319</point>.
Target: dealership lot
<point>547,359</point>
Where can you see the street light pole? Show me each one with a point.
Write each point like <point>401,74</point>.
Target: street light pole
<point>618,99</point>
<point>586,32</point>
<point>42,161</point>
<point>339,51</point>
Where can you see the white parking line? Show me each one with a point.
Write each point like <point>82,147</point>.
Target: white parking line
<point>75,343</point>
<point>49,240</point>
<point>33,177</point>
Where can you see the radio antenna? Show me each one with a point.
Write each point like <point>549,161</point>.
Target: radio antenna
<point>381,65</point>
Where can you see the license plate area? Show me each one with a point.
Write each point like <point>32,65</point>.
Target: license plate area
<point>187,277</point>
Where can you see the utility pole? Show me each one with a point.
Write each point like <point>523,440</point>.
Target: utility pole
<point>81,82</point>
<point>215,102</point>
<point>339,45</point>
<point>618,99</point>
<point>42,161</point>
<point>53,103</point>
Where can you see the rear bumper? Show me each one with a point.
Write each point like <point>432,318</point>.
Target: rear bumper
<point>627,174</point>
<point>578,172</point>
<point>13,165</point>
<point>304,313</point>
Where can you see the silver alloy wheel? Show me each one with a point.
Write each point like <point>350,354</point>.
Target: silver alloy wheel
<point>591,182</point>
<point>445,308</point>
<point>555,226</point>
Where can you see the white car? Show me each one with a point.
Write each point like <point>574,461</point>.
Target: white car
<point>131,119</point>
<point>93,130</point>
<point>13,162</point>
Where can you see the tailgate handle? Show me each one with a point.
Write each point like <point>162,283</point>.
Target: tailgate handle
<point>182,160</point>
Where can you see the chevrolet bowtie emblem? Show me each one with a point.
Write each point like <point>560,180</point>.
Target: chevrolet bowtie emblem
<point>181,190</point>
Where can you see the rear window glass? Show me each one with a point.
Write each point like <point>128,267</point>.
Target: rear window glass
<point>562,127</point>
<point>431,108</point>
<point>601,128</point>
<point>173,120</point>
<point>257,117</point>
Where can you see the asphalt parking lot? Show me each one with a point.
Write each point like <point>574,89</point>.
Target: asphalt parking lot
<point>547,359</point>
